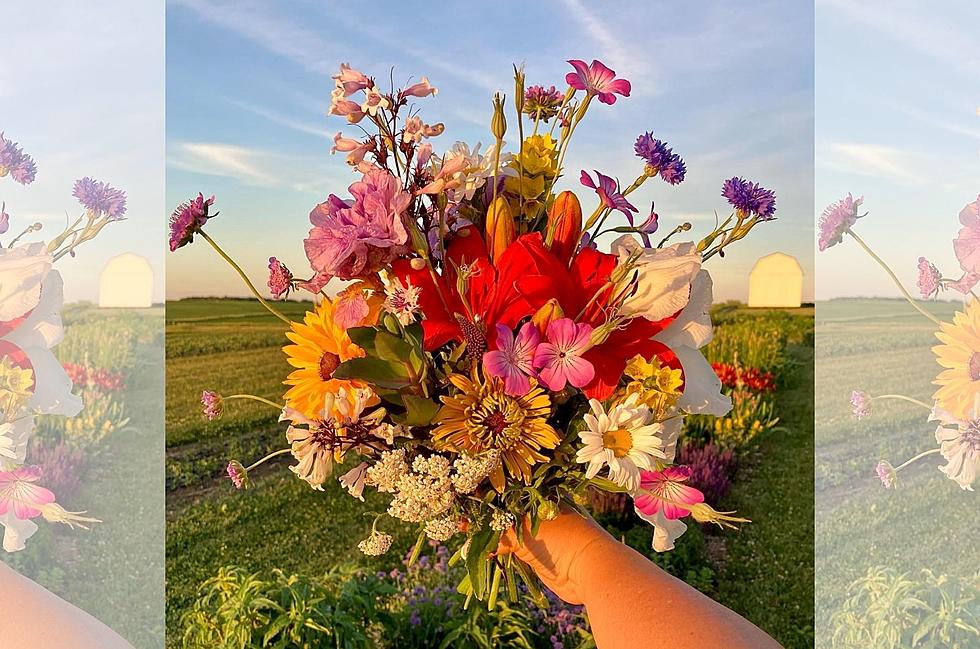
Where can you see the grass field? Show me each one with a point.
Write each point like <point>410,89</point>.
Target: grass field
<point>763,571</point>
<point>881,346</point>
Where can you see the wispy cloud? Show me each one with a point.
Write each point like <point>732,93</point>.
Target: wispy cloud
<point>875,160</point>
<point>257,167</point>
<point>283,120</point>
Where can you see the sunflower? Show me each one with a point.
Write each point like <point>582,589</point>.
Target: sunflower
<point>320,346</point>
<point>482,417</point>
<point>959,383</point>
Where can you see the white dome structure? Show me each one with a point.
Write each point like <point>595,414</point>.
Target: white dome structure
<point>776,280</point>
<point>126,282</point>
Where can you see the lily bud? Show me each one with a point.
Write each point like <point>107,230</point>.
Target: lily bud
<point>565,225</point>
<point>498,123</point>
<point>501,230</point>
<point>550,311</point>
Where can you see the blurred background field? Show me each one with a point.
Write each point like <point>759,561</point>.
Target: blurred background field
<point>763,571</point>
<point>928,522</point>
<point>107,461</point>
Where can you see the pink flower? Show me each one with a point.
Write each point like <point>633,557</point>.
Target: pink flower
<point>421,89</point>
<point>861,404</point>
<point>213,404</point>
<point>353,239</point>
<point>280,279</point>
<point>930,279</point>
<point>350,309</point>
<point>837,218</point>
<point>597,79</point>
<point>18,491</point>
<point>374,101</point>
<point>665,491</point>
<point>967,248</point>
<point>415,130</point>
<point>355,149</point>
<point>4,219</point>
<point>346,108</point>
<point>188,219</point>
<point>350,80</point>
<point>886,473</point>
<point>609,194</point>
<point>559,360</point>
<point>238,475</point>
<point>513,360</point>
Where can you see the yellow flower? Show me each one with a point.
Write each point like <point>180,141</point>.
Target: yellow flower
<point>536,167</point>
<point>320,346</point>
<point>16,388</point>
<point>481,417</point>
<point>658,386</point>
<point>959,383</point>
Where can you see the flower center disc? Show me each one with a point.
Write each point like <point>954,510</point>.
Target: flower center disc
<point>329,363</point>
<point>973,368</point>
<point>619,441</point>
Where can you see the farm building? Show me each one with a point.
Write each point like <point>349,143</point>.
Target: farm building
<point>126,282</point>
<point>776,280</point>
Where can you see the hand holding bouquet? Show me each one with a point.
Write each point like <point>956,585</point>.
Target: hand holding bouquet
<point>486,363</point>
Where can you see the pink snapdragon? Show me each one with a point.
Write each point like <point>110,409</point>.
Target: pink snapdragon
<point>967,248</point>
<point>354,238</point>
<point>421,89</point>
<point>343,107</point>
<point>598,80</point>
<point>350,80</point>
<point>608,192</point>
<point>513,359</point>
<point>559,360</point>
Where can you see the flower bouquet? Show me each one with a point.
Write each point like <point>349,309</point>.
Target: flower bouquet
<point>486,363</point>
<point>32,381</point>
<point>955,405</point>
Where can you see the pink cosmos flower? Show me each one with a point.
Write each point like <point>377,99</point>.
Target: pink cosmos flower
<point>513,360</point>
<point>188,219</point>
<point>350,80</point>
<point>280,279</point>
<point>967,248</point>
<point>930,279</point>
<point>421,89</point>
<point>559,361</point>
<point>597,79</point>
<point>666,491</point>
<point>609,194</point>
<point>354,238</point>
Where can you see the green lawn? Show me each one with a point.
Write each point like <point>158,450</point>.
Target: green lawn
<point>881,346</point>
<point>765,573</point>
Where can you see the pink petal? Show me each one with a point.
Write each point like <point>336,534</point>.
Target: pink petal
<point>495,363</point>
<point>505,338</point>
<point>608,184</point>
<point>586,180</point>
<point>620,86</point>
<point>516,383</point>
<point>579,78</point>
<point>647,504</point>
<point>528,339</point>
<point>600,74</point>
<point>562,333</point>
<point>579,371</point>
<point>606,98</point>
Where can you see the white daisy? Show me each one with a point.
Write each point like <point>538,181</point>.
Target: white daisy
<point>624,439</point>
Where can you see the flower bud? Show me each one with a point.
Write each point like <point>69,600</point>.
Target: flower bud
<point>519,89</point>
<point>501,230</point>
<point>565,225</point>
<point>417,263</point>
<point>498,123</point>
<point>550,311</point>
<point>391,323</point>
<point>548,510</point>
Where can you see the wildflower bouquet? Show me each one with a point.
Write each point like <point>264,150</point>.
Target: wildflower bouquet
<point>32,381</point>
<point>486,363</point>
<point>955,405</point>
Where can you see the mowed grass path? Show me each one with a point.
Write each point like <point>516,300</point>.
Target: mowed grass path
<point>883,347</point>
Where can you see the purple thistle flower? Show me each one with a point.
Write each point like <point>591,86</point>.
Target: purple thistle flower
<point>15,162</point>
<point>660,158</point>
<point>280,279</point>
<point>100,198</point>
<point>930,279</point>
<point>836,219</point>
<point>750,198</point>
<point>188,219</point>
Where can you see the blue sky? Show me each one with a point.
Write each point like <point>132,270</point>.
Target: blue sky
<point>84,95</point>
<point>729,85</point>
<point>898,90</point>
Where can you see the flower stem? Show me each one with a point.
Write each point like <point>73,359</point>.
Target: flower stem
<point>894,277</point>
<point>903,398</point>
<point>245,278</point>
<point>252,397</point>
<point>917,457</point>
<point>268,457</point>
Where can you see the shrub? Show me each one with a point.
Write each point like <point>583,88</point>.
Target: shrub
<point>62,465</point>
<point>890,610</point>
<point>101,416</point>
<point>712,469</point>
<point>751,414</point>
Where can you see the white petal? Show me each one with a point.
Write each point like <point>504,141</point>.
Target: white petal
<point>702,387</point>
<point>16,531</point>
<point>693,326</point>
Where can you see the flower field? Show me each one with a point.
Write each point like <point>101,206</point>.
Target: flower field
<point>883,347</point>
<point>106,461</point>
<point>763,571</point>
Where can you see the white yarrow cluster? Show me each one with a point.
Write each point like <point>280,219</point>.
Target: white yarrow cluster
<point>501,521</point>
<point>424,493</point>
<point>388,470</point>
<point>471,470</point>
<point>376,544</point>
<point>442,529</point>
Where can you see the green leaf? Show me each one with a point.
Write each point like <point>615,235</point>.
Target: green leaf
<point>476,560</point>
<point>419,411</point>
<point>392,348</point>
<point>607,485</point>
<point>363,337</point>
<point>373,370</point>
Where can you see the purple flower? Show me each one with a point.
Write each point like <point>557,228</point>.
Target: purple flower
<point>213,404</point>
<point>967,248</point>
<point>238,475</point>
<point>886,473</point>
<point>352,239</point>
<point>750,198</point>
<point>188,219</point>
<point>513,359</point>
<point>609,194</point>
<point>15,162</point>
<point>660,158</point>
<point>837,218</point>
<point>541,102</point>
<point>861,404</point>
<point>280,279</point>
<point>649,226</point>
<point>100,198</point>
<point>930,279</point>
